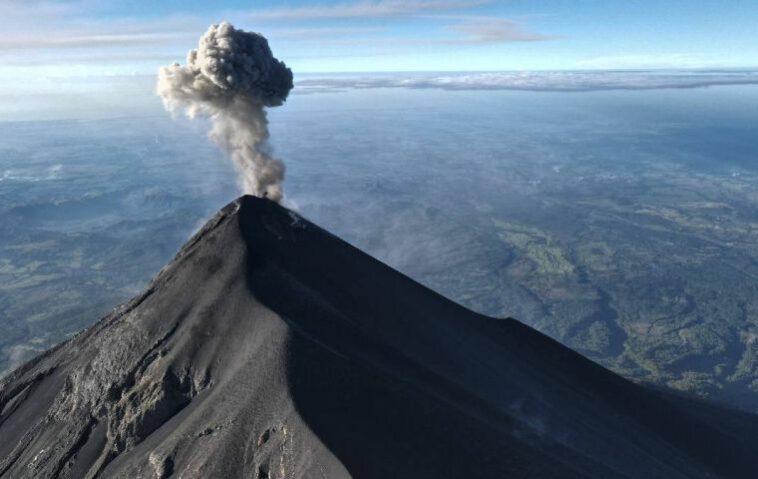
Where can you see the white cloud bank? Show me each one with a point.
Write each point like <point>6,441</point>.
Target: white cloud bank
<point>530,81</point>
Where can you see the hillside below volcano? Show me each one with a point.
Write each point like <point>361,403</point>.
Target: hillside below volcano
<point>269,348</point>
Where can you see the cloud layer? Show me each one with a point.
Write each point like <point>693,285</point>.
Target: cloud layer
<point>390,8</point>
<point>480,30</point>
<point>531,81</point>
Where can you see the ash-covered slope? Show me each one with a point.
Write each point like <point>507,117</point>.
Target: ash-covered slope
<point>269,349</point>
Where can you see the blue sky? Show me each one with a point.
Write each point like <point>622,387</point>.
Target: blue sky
<point>88,49</point>
<point>97,36</point>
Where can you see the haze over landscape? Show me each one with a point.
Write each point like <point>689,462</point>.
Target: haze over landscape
<point>617,222</point>
<point>589,171</point>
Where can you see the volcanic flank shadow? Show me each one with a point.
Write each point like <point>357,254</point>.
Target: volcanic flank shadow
<point>373,372</point>
<point>377,411</point>
<point>334,394</point>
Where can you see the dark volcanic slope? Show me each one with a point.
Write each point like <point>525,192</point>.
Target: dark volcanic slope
<point>269,348</point>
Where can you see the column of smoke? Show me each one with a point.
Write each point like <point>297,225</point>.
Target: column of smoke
<point>231,77</point>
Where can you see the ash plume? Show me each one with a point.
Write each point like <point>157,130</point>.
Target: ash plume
<point>232,77</point>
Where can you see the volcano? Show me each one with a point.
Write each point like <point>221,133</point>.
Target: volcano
<point>269,348</point>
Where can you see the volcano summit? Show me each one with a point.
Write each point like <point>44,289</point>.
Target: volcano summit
<point>269,348</point>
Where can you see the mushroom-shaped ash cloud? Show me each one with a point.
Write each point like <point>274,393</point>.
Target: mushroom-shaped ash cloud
<point>231,77</point>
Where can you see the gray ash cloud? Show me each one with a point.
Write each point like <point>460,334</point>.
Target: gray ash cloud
<point>232,77</point>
